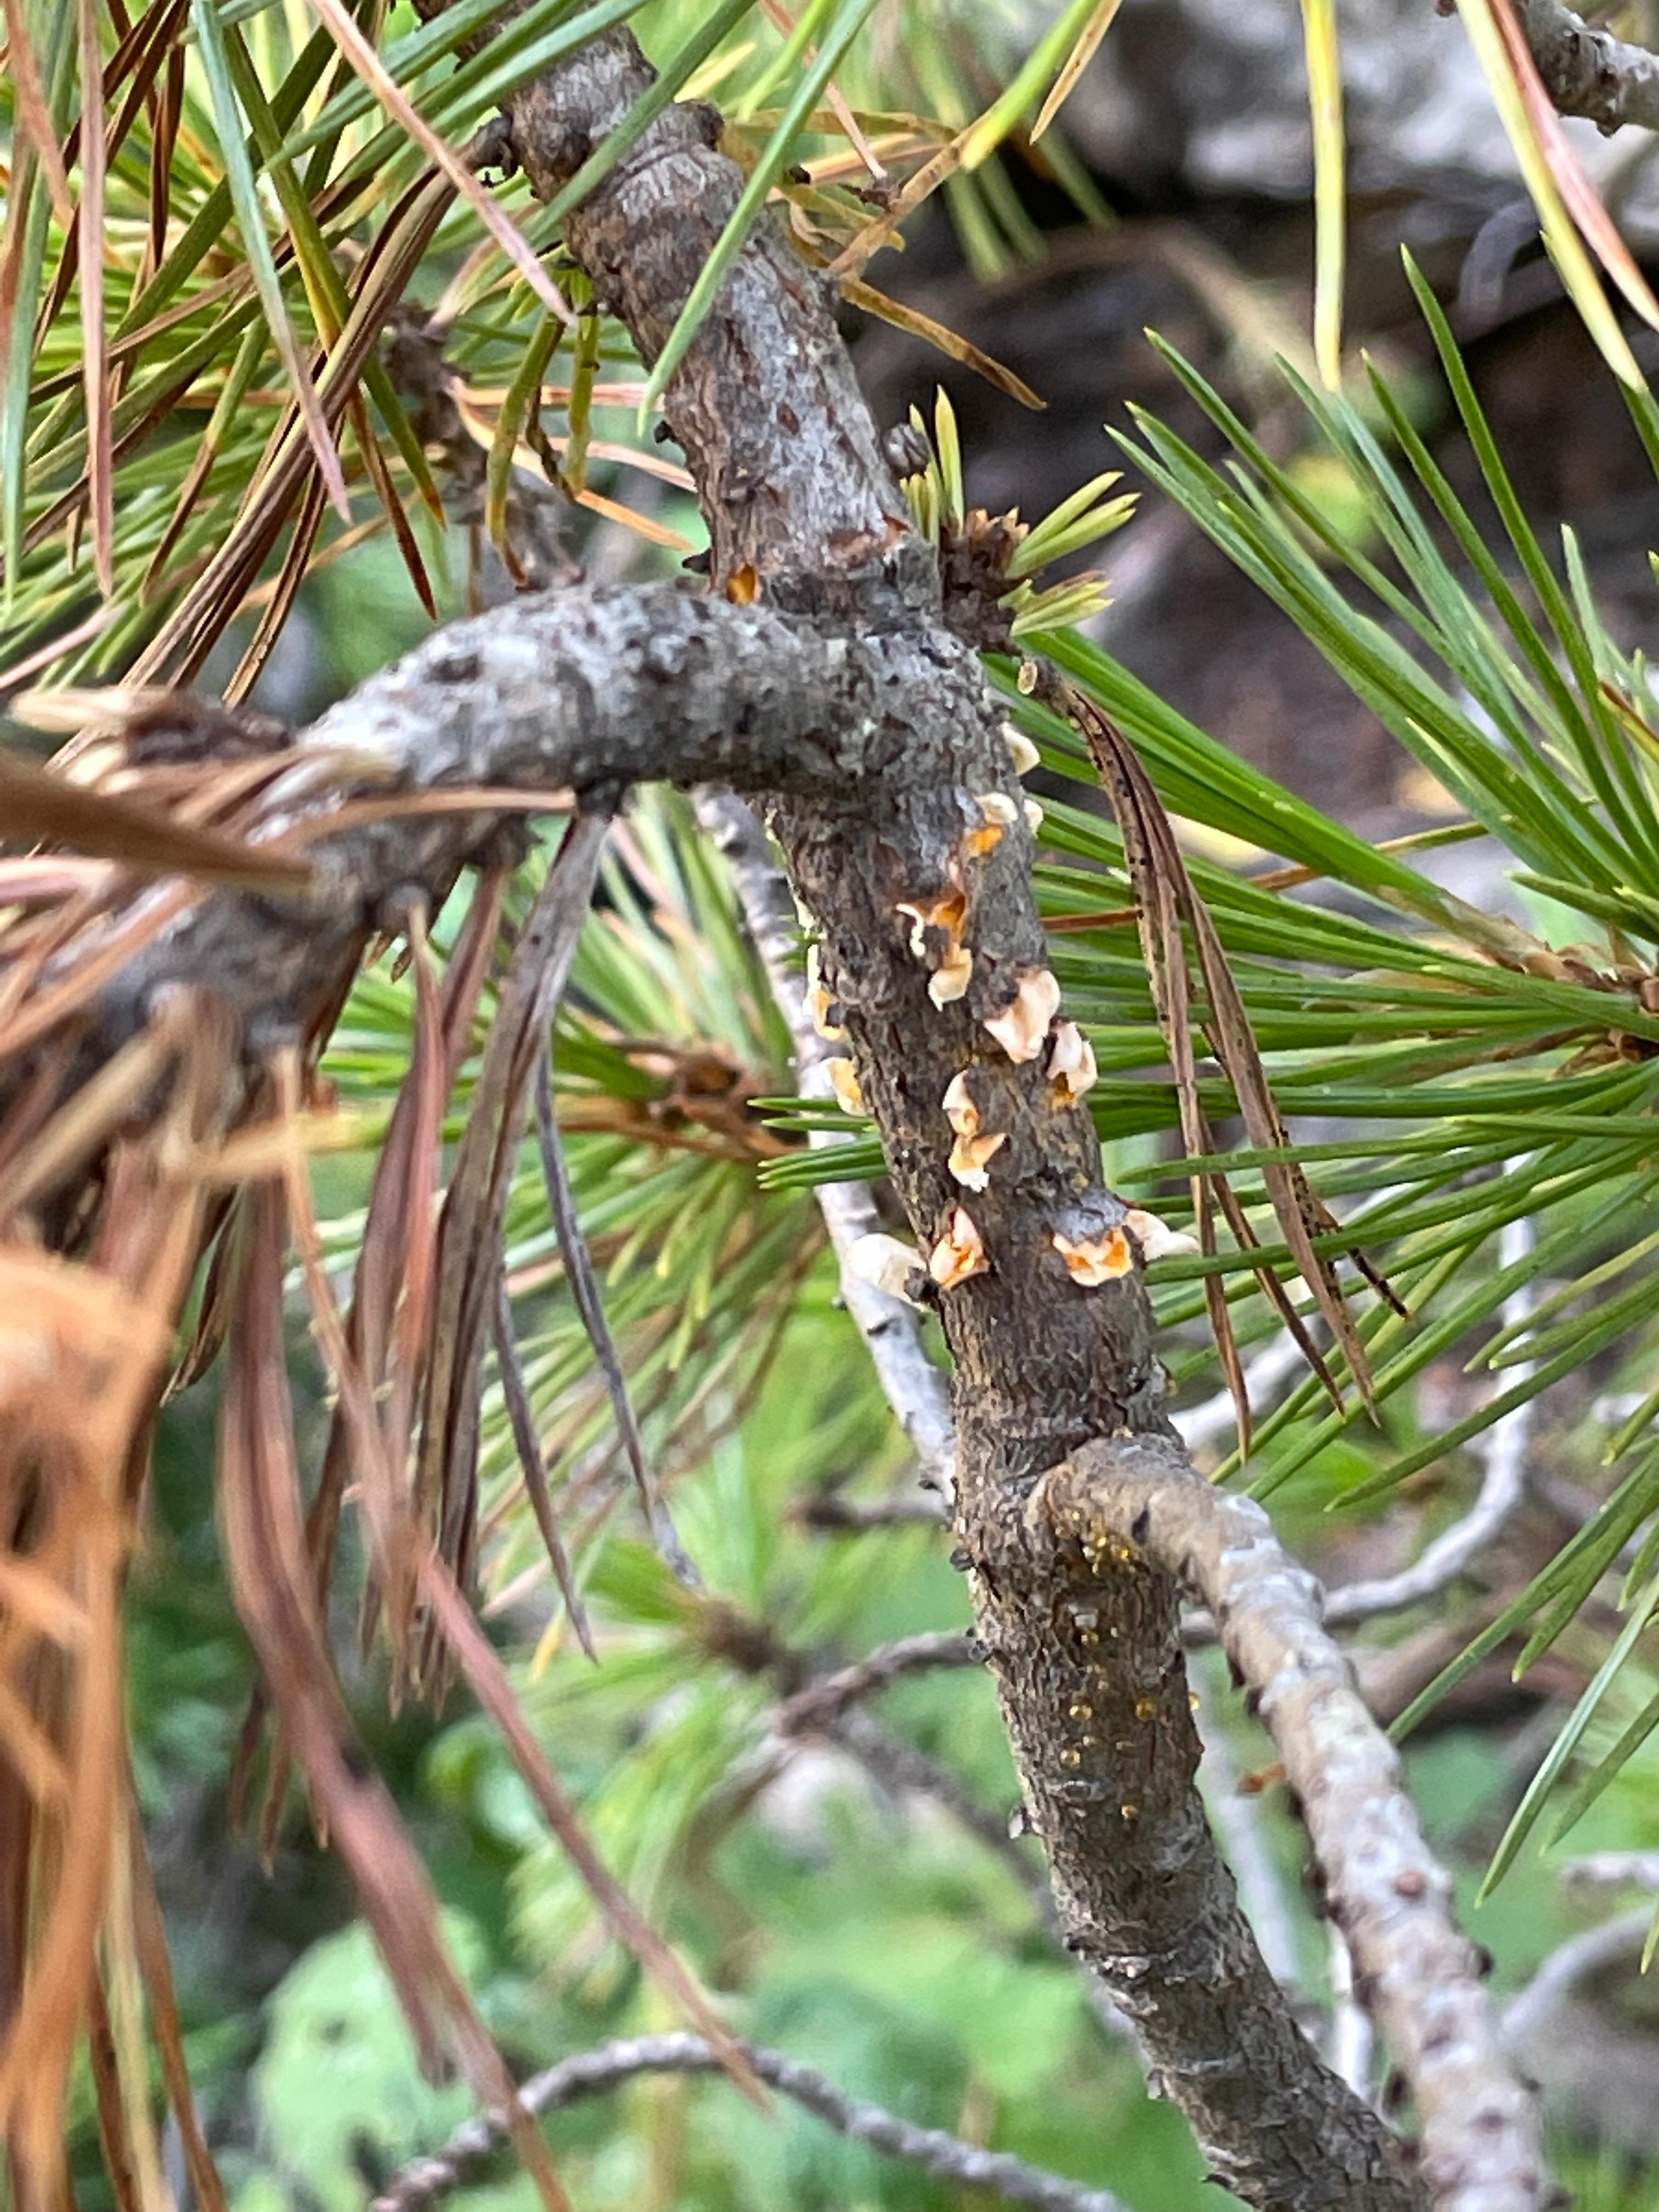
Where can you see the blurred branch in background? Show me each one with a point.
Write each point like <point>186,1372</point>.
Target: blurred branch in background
<point>428,2181</point>
<point>1382,1887</point>
<point>914,1385</point>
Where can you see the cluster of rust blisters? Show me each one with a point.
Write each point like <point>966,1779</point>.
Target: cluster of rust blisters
<point>1028,1030</point>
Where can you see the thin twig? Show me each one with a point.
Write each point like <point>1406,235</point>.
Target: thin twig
<point>821,1701</point>
<point>1503,1491</point>
<point>822,1707</point>
<point>1503,1487</point>
<point>1238,1819</point>
<point>913,1385</point>
<point>900,1769</point>
<point>1353,2041</point>
<point>1613,1941</point>
<point>754,1647</point>
<point>851,1517</point>
<point>1418,1977</point>
<point>1613,1870</point>
<point>426,2181</point>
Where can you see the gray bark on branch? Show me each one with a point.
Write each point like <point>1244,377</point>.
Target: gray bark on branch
<point>764,400</point>
<point>1136,1506</point>
<point>841,696</point>
<point>1588,72</point>
<point>831,1694</point>
<point>589,689</point>
<point>426,2181</point>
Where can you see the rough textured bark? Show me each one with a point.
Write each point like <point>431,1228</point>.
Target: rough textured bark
<point>1124,1507</point>
<point>764,403</point>
<point>1588,72</point>
<point>787,465</point>
<point>843,694</point>
<point>586,689</point>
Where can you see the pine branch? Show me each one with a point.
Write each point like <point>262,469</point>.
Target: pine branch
<point>1238,1816</point>
<point>831,1694</point>
<point>1593,1951</point>
<point>1136,1504</point>
<point>912,1384</point>
<point>902,1769</point>
<point>822,673</point>
<point>1612,1871</point>
<point>764,397</point>
<point>589,689</point>
<point>428,2181</point>
<point>1503,1491</point>
<point>1588,72</point>
<point>851,1517</point>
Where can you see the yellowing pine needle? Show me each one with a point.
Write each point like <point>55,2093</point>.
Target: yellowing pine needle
<point>506,233</point>
<point>982,137</point>
<point>1596,225</point>
<point>1076,61</point>
<point>1330,183</point>
<point>903,317</point>
<point>101,457</point>
<point>654,533</point>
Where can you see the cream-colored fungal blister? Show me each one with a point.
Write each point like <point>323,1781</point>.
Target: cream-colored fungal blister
<point>844,1082</point>
<point>1157,1240</point>
<point>959,1253</point>
<point>1070,1066</point>
<point>1022,1029</point>
<point>1023,753</point>
<point>820,1005</point>
<point>1092,1261</point>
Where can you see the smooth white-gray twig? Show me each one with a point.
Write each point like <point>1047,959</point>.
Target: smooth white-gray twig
<point>913,1386</point>
<point>1503,1486</point>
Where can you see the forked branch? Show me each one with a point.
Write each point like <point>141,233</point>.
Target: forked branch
<point>426,2181</point>
<point>1134,1505</point>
